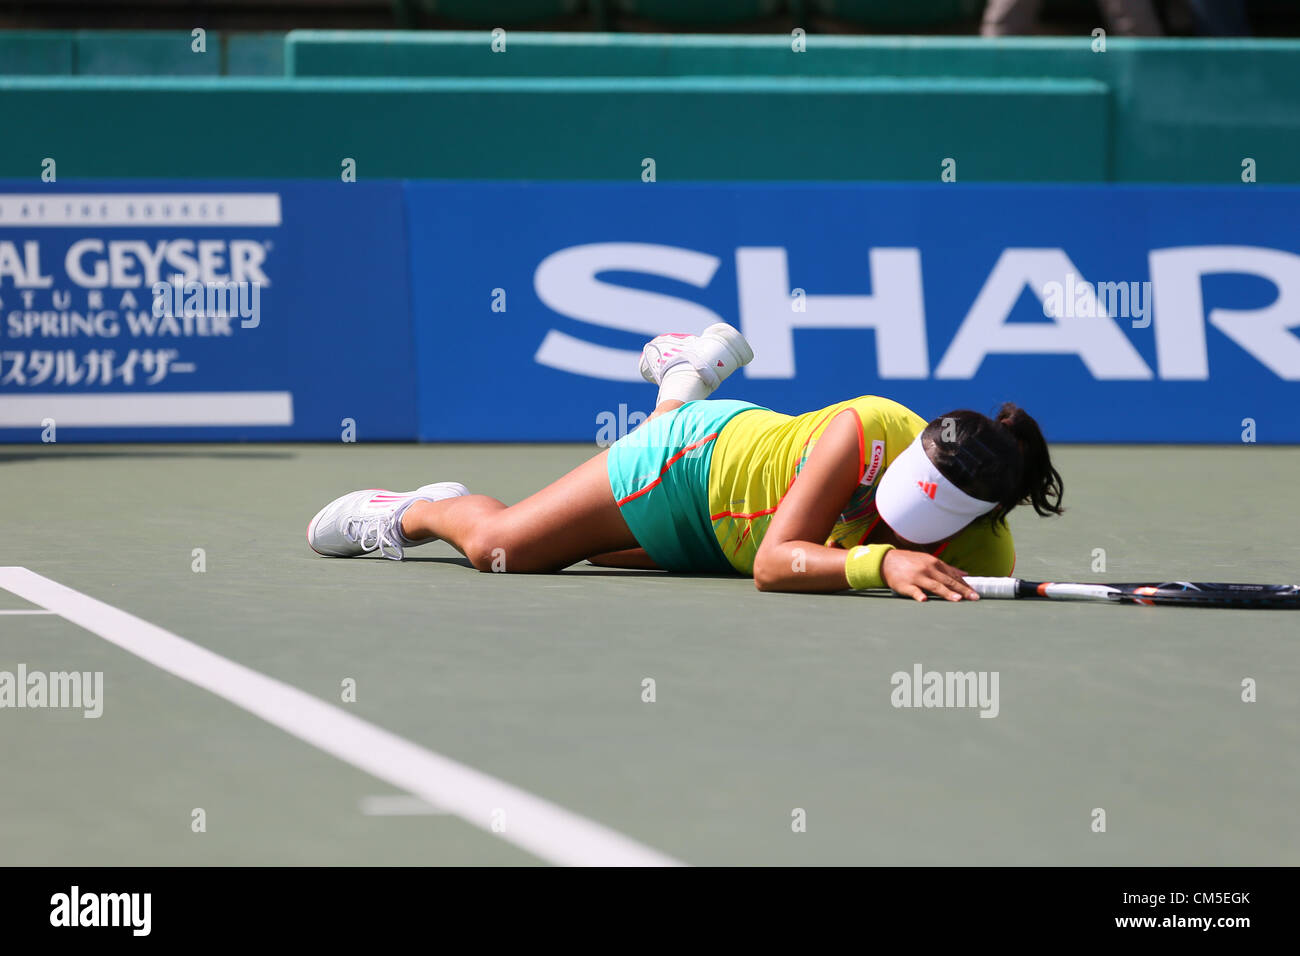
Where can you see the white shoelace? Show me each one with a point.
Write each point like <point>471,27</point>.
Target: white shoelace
<point>375,531</point>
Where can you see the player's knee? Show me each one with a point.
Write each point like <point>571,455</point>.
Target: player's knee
<point>487,556</point>
<point>489,549</point>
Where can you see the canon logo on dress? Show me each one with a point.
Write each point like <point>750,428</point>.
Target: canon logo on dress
<point>877,457</point>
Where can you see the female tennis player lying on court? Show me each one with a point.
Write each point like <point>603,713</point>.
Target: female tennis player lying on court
<point>863,494</point>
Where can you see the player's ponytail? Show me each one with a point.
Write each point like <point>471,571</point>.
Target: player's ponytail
<point>1003,459</point>
<point>1040,484</point>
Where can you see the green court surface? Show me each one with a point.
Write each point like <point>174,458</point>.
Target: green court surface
<point>765,704</point>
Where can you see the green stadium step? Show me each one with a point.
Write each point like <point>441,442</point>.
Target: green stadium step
<point>160,52</point>
<point>139,53</point>
<point>695,128</point>
<point>1184,110</point>
<point>254,54</point>
<point>36,53</point>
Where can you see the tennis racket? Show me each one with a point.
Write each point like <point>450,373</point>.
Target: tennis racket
<point>1190,593</point>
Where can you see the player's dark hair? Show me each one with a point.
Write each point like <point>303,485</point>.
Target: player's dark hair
<point>1003,459</point>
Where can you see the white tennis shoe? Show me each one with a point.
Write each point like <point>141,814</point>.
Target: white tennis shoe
<point>370,520</point>
<point>714,354</point>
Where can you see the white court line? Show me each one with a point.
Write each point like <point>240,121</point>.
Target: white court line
<point>536,825</point>
<point>36,611</point>
<point>153,410</point>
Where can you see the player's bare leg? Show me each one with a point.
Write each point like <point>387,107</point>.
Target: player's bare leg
<point>568,520</point>
<point>571,519</point>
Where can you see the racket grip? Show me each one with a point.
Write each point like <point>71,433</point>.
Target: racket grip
<point>993,587</point>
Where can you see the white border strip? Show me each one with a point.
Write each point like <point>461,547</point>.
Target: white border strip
<point>139,209</point>
<point>542,828</point>
<point>151,410</point>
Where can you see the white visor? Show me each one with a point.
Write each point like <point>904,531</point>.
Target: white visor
<point>920,504</point>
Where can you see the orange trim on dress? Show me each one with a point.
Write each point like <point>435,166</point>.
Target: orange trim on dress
<point>867,533</point>
<point>663,471</point>
<point>747,517</point>
<point>862,445</point>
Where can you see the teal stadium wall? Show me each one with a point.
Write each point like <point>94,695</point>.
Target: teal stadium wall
<point>695,128</point>
<point>592,106</point>
<point>138,53</point>
<point>1177,110</point>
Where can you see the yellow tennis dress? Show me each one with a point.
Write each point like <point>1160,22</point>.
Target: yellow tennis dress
<point>759,453</point>
<point>698,486</point>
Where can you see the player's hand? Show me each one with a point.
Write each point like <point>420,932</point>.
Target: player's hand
<point>913,573</point>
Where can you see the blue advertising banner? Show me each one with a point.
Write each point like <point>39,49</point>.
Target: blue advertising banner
<point>204,310</point>
<point>1111,313</point>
